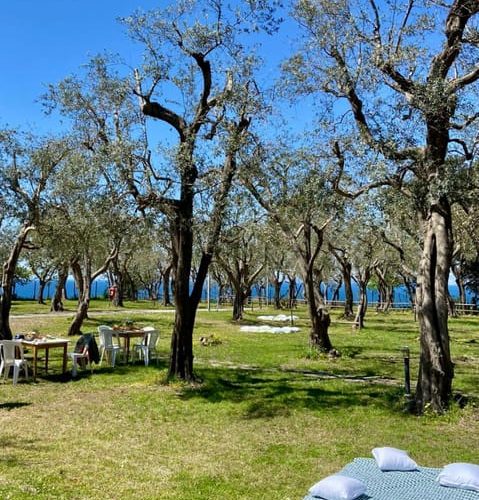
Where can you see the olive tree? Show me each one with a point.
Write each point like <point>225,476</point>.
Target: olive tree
<point>27,165</point>
<point>292,187</point>
<point>408,72</point>
<point>198,83</point>
<point>241,252</point>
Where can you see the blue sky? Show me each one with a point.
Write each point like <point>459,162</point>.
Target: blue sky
<point>42,41</point>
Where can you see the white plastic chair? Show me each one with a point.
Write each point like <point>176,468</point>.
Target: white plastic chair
<point>107,345</point>
<point>11,353</point>
<point>81,357</point>
<point>147,347</point>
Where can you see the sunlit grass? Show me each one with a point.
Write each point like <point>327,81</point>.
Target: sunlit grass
<point>267,420</point>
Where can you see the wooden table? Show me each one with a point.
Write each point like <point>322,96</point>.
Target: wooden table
<point>46,344</point>
<point>126,335</point>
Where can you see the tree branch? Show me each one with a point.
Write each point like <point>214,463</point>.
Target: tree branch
<point>466,79</point>
<point>460,13</point>
<point>104,267</point>
<point>349,89</point>
<point>469,120</point>
<point>156,110</point>
<point>467,154</point>
<point>396,182</point>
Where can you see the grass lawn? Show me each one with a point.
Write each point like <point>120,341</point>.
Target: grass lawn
<point>267,420</point>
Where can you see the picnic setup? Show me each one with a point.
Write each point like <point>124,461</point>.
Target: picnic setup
<point>113,345</point>
<point>392,474</point>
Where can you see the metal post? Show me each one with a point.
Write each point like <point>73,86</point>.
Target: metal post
<point>208,291</point>
<point>407,375</point>
<point>267,291</point>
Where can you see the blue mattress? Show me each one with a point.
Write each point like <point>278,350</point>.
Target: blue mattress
<point>394,485</point>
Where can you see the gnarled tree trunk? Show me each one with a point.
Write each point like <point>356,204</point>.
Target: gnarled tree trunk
<point>181,356</point>
<point>166,286</point>
<point>238,304</point>
<point>346,267</point>
<point>436,369</point>
<point>319,336</point>
<point>348,291</point>
<point>57,300</point>
<point>362,306</point>
<point>85,278</point>
<point>277,284</point>
<point>292,292</point>
<point>8,279</point>
<point>362,279</point>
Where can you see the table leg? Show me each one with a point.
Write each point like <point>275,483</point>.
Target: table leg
<point>35,353</point>
<point>64,359</point>
<point>46,360</point>
<point>127,348</point>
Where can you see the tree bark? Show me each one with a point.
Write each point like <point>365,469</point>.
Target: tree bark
<point>83,299</point>
<point>462,291</point>
<point>319,336</point>
<point>180,210</point>
<point>277,284</point>
<point>242,280</point>
<point>362,306</point>
<point>436,97</point>
<point>8,280</point>
<point>181,356</point>
<point>385,290</point>
<point>41,291</point>
<point>335,294</point>
<point>410,285</point>
<point>77,276</point>
<point>292,292</point>
<point>85,278</point>
<point>348,291</point>
<point>57,302</point>
<point>166,286</point>
<point>186,303</point>
<point>340,255</point>
<point>457,271</point>
<point>436,370</point>
<point>81,314</point>
<point>238,305</point>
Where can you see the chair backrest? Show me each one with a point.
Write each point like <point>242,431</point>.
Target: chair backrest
<point>106,336</point>
<point>10,349</point>
<point>151,338</point>
<point>105,327</point>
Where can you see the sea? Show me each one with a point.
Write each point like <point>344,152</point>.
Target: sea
<point>29,291</point>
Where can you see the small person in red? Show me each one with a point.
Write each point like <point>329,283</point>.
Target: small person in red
<point>112,291</point>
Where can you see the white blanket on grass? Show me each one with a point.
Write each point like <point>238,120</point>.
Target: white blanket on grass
<point>269,329</point>
<point>278,317</point>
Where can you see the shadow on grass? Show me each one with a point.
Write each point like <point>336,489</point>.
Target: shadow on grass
<point>11,405</point>
<point>120,369</point>
<point>266,394</point>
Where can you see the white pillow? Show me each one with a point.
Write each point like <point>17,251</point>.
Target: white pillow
<point>460,475</point>
<point>338,487</point>
<point>393,459</point>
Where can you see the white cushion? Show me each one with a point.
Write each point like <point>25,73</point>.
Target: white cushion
<point>460,475</point>
<point>393,459</point>
<point>338,487</point>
